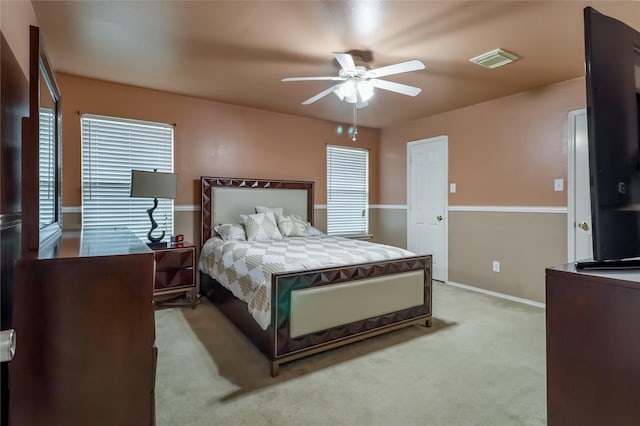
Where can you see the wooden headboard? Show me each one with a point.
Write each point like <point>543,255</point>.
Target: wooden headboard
<point>224,199</point>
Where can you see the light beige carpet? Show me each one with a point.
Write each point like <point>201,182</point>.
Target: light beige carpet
<point>483,363</point>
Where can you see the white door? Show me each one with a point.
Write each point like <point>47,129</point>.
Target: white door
<point>427,177</point>
<point>579,217</point>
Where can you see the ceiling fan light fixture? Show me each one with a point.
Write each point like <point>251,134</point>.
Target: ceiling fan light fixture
<point>355,91</point>
<point>346,90</point>
<point>365,90</point>
<point>494,59</point>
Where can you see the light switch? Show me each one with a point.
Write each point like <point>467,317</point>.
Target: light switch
<point>452,187</point>
<point>558,185</point>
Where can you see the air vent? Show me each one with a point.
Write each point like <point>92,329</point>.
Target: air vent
<point>494,59</point>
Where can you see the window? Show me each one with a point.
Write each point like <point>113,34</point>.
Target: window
<point>347,191</point>
<point>111,148</point>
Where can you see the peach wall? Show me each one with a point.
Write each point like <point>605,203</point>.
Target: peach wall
<point>211,138</point>
<point>15,18</point>
<point>506,151</point>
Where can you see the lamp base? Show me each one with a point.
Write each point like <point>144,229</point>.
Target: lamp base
<point>157,245</point>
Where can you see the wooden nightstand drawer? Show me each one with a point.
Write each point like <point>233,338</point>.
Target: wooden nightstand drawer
<point>178,258</point>
<point>174,278</point>
<point>175,271</point>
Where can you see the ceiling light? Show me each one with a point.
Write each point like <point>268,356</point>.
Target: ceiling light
<point>345,90</point>
<point>365,90</point>
<point>355,91</point>
<point>494,59</point>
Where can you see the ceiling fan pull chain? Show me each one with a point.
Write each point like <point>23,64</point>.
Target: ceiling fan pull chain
<point>355,122</point>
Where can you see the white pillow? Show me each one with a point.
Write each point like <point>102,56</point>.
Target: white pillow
<point>231,231</point>
<point>313,231</point>
<point>291,226</point>
<point>263,209</point>
<point>261,226</point>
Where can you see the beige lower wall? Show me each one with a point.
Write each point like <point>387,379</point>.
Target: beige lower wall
<point>388,226</point>
<point>188,224</point>
<point>320,219</point>
<point>524,244</point>
<point>71,221</point>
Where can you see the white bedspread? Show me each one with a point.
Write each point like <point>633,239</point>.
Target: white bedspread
<point>245,267</point>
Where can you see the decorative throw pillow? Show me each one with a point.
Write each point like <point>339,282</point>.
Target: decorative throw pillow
<point>261,226</point>
<point>291,226</point>
<point>231,231</point>
<point>313,231</point>
<point>275,210</point>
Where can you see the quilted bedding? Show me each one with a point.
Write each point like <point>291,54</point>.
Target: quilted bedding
<point>245,267</point>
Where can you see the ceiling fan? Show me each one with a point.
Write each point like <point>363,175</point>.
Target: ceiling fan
<point>356,83</point>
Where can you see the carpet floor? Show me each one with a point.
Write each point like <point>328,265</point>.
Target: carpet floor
<point>482,363</point>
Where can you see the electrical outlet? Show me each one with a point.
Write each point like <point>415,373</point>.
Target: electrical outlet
<point>496,266</point>
<point>558,185</point>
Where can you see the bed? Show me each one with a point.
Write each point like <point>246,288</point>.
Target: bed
<point>311,309</point>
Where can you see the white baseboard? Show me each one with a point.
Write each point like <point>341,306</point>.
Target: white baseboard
<point>496,294</point>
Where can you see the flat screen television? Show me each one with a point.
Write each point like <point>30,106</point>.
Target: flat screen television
<point>612,53</point>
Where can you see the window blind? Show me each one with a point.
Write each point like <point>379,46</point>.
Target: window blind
<point>46,167</point>
<point>347,191</point>
<point>111,148</point>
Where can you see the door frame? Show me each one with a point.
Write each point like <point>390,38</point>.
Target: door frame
<point>435,139</point>
<point>571,182</point>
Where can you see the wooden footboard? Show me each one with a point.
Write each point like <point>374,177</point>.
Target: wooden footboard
<point>277,341</point>
<point>287,348</point>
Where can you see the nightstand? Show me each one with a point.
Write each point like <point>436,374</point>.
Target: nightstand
<point>175,271</point>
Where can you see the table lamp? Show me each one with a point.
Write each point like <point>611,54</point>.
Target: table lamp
<point>153,185</point>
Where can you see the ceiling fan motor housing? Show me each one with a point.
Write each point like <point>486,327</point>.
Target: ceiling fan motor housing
<point>360,72</point>
<point>365,56</point>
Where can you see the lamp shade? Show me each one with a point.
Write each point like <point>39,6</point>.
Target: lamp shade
<point>153,184</point>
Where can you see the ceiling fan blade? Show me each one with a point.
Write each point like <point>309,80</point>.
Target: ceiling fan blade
<point>396,87</point>
<point>321,94</point>
<point>312,78</point>
<point>401,67</point>
<point>346,61</point>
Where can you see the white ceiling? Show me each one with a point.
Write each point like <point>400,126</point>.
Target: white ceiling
<point>238,51</point>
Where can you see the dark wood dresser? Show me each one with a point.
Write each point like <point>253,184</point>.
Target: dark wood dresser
<point>84,314</point>
<point>593,347</point>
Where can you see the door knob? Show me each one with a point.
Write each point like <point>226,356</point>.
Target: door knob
<point>439,218</point>
<point>583,225</point>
